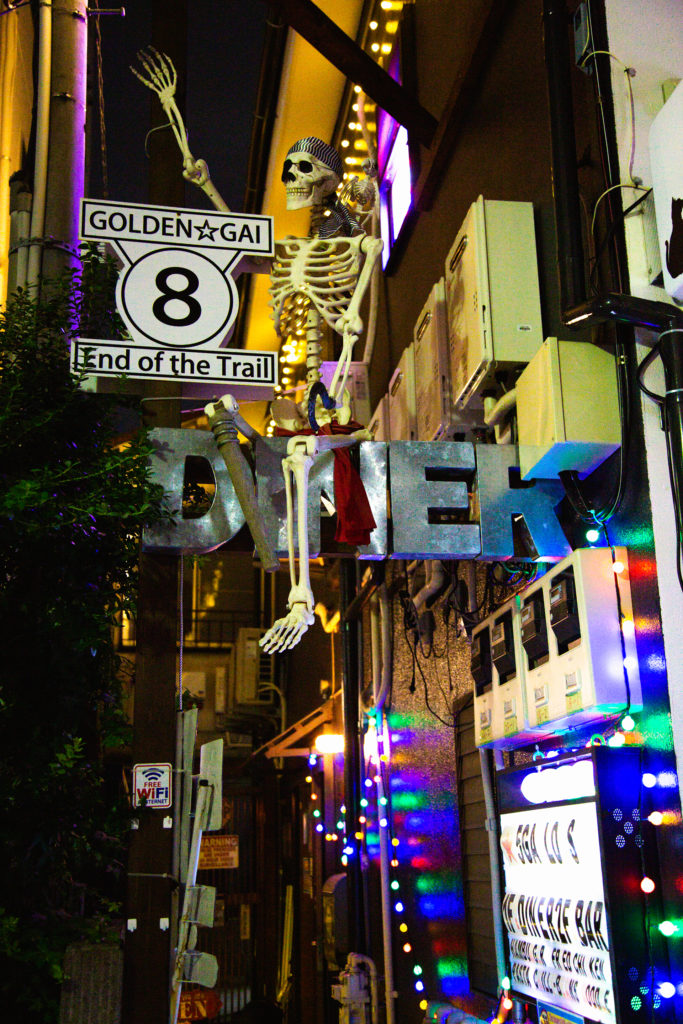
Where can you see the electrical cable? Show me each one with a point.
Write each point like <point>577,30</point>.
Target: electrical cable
<point>620,614</point>
<point>637,188</point>
<point>642,367</point>
<point>408,620</point>
<point>610,235</point>
<point>629,72</point>
<point>673,479</point>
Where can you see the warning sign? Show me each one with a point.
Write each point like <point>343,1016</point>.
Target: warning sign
<point>152,785</point>
<point>219,852</point>
<point>198,1004</point>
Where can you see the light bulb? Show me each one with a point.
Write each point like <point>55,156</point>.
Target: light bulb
<point>666,989</point>
<point>417,969</point>
<point>407,947</point>
<point>592,535</point>
<point>656,818</point>
<point>668,928</point>
<point>627,723</point>
<point>618,567</point>
<point>647,885</point>
<point>398,907</point>
<point>649,780</point>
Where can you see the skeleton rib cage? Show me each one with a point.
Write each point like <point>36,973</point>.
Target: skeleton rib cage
<point>324,270</point>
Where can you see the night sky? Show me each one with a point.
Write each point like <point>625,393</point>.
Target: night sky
<point>224,42</point>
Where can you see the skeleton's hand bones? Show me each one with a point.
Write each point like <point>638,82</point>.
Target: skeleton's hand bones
<point>161,75</point>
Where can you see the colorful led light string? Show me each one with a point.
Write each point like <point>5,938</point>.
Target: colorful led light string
<point>339,833</point>
<point>376,777</point>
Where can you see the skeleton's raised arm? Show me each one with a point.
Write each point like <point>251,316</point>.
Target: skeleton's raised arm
<point>158,74</point>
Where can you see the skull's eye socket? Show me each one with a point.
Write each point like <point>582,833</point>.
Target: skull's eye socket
<point>303,165</point>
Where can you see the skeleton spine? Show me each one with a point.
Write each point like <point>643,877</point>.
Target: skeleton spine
<point>313,349</point>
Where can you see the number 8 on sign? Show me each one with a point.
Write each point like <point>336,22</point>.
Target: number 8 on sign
<point>177,297</point>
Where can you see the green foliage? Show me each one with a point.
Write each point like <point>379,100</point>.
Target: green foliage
<point>72,505</point>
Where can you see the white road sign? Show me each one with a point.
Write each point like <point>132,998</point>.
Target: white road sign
<point>176,293</point>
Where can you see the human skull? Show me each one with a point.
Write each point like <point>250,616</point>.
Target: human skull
<point>311,172</point>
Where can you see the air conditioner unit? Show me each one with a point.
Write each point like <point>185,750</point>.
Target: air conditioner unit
<point>492,298</point>
<point>195,683</point>
<point>379,424</point>
<point>432,376</point>
<point>357,385</point>
<point>254,671</point>
<point>224,682</point>
<point>402,412</point>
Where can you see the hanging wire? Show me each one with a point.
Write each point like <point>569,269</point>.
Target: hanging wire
<point>100,101</point>
<point>181,629</point>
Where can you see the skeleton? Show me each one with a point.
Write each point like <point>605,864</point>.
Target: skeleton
<point>327,273</point>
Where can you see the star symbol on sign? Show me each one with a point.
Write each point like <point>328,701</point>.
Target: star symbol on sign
<point>205,230</point>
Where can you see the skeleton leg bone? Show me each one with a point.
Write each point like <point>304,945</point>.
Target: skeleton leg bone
<point>287,631</point>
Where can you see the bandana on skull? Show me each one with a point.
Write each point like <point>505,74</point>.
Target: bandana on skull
<point>327,155</point>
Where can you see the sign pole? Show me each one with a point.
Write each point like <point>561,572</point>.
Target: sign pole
<point>150,897</point>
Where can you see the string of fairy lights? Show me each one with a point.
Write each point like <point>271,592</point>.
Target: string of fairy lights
<point>360,839</point>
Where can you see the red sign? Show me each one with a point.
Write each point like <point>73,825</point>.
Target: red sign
<point>198,1004</point>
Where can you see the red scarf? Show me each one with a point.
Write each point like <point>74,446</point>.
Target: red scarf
<point>355,520</point>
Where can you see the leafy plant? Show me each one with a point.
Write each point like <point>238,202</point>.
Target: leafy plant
<point>73,500</point>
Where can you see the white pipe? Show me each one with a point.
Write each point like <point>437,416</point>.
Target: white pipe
<point>496,892</point>
<point>20,230</point>
<point>387,652</point>
<point>42,139</point>
<point>372,970</point>
<point>496,411</point>
<point>436,576</point>
<point>385,890</point>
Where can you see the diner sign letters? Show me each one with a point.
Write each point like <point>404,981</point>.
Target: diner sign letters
<point>448,499</point>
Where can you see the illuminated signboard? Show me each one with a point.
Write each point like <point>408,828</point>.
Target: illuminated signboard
<point>554,908</point>
<point>573,844</point>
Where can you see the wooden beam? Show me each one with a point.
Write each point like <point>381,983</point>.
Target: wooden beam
<point>482,39</point>
<point>328,39</point>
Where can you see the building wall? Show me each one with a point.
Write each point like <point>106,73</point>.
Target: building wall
<point>633,29</point>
